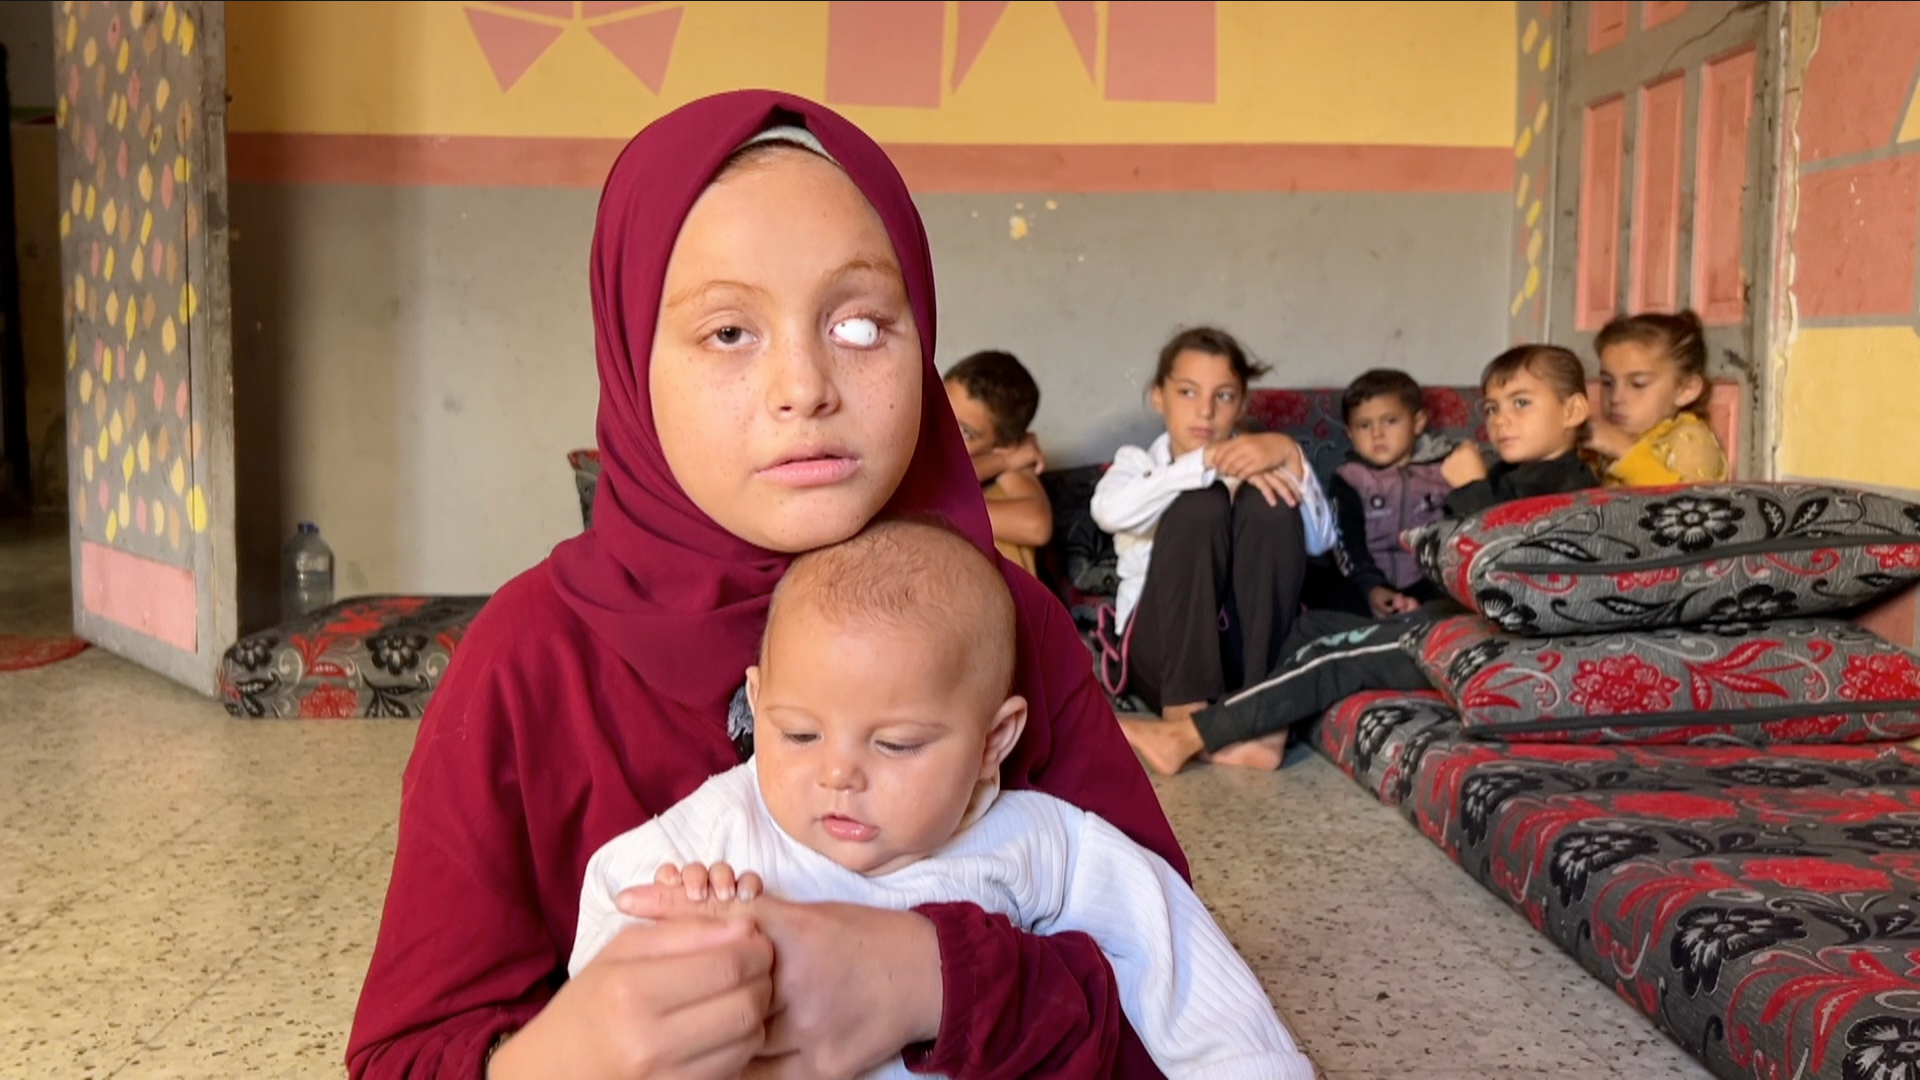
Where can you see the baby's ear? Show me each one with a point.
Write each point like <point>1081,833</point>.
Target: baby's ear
<point>753,688</point>
<point>1008,725</point>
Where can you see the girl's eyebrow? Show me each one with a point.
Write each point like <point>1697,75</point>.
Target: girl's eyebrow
<point>705,288</point>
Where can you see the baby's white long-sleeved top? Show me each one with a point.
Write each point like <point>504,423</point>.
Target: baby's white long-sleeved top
<point>1043,863</point>
<point>1139,486</point>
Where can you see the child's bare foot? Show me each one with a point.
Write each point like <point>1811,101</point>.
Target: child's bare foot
<point>1264,753</point>
<point>1166,745</point>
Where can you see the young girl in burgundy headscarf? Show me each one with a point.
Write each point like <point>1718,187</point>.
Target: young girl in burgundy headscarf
<point>764,326</point>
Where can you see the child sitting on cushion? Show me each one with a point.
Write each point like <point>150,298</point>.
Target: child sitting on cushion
<point>994,399</point>
<point>1653,393</point>
<point>882,711</point>
<point>1535,397</point>
<point>1393,481</point>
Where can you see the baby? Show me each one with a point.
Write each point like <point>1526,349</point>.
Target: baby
<point>882,710</point>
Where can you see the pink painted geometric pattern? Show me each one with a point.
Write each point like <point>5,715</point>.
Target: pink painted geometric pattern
<point>1161,51</point>
<point>1726,109</point>
<point>1606,24</point>
<point>514,36</point>
<point>1597,290</point>
<point>885,52</point>
<point>977,21</point>
<point>1083,22</point>
<point>644,43</point>
<point>1655,12</point>
<point>1656,195</point>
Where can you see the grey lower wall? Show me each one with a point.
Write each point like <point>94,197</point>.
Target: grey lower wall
<point>413,364</point>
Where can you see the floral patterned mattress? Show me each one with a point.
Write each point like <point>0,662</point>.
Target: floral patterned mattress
<point>1761,906</point>
<point>375,656</point>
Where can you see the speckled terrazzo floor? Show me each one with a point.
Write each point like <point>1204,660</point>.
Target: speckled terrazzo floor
<point>187,895</point>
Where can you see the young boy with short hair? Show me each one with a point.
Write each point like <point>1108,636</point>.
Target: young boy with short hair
<point>995,398</point>
<point>1391,482</point>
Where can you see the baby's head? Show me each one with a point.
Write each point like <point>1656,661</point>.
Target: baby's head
<point>883,697</point>
<point>994,399</point>
<point>1653,367</point>
<point>1384,414</point>
<point>1535,397</point>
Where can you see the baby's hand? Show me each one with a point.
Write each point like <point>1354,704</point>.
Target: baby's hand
<point>1464,465</point>
<point>703,882</point>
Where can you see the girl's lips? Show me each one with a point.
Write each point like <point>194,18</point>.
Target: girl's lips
<point>848,830</point>
<point>807,472</point>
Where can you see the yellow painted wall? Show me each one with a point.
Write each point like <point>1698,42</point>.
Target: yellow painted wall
<point>1312,71</point>
<point>1850,385</point>
<point>1848,409</point>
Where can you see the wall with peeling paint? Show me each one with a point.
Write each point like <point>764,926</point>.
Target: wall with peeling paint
<point>1849,399</point>
<point>415,187</point>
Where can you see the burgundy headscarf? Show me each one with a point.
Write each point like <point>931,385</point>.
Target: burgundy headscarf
<point>678,597</point>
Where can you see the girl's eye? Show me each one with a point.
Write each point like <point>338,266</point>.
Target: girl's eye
<point>729,335</point>
<point>858,333</point>
<point>799,738</point>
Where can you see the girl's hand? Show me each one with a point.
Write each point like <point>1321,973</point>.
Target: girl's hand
<point>687,998</point>
<point>853,986</point>
<point>1276,486</point>
<point>1249,455</point>
<point>1608,439</point>
<point>697,879</point>
<point>1464,465</point>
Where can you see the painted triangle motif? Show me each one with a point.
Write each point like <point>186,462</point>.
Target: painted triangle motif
<point>978,18</point>
<point>1083,22</point>
<point>643,43</point>
<point>511,45</point>
<point>552,9</point>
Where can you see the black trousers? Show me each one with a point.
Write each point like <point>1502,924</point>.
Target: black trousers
<point>1215,552</point>
<point>1330,655</point>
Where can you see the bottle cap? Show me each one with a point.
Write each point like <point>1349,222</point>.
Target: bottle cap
<point>309,527</point>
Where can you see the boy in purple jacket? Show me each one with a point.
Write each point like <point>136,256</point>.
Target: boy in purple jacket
<point>1390,483</point>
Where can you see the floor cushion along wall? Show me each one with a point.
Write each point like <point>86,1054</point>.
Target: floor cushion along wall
<point>1659,737</point>
<point>372,656</point>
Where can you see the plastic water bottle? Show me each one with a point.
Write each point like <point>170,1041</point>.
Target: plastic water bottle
<point>306,573</point>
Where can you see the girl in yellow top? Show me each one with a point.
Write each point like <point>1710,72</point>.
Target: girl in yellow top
<point>1653,396</point>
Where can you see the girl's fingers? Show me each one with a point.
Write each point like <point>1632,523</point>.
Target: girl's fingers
<point>720,879</point>
<point>750,886</point>
<point>667,875</point>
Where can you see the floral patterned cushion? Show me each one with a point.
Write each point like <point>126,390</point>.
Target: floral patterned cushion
<point>1755,904</point>
<point>1789,681</point>
<point>378,656</point>
<point>1641,558</point>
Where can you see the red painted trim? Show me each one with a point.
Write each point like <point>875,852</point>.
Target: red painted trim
<point>487,161</point>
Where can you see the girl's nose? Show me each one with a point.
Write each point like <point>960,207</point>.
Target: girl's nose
<point>801,378</point>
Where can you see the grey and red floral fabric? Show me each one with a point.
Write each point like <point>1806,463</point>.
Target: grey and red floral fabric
<point>377,656</point>
<point>1759,905</point>
<point>1787,681</point>
<point>1645,558</point>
